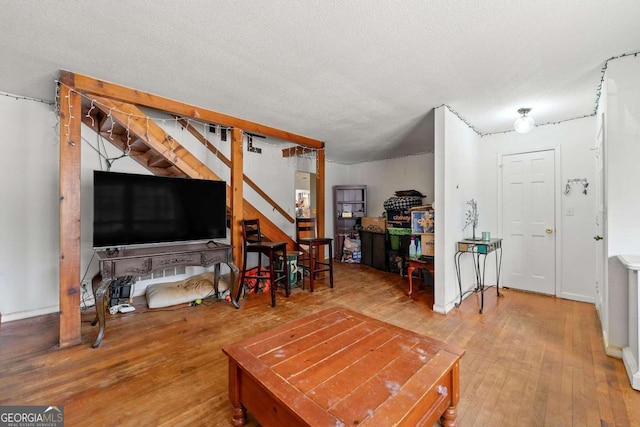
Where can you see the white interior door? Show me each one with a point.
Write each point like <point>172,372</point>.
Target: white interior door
<point>528,221</point>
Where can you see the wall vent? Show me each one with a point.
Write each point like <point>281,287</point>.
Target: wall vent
<point>167,272</point>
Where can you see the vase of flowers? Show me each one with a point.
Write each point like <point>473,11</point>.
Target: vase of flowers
<point>471,217</point>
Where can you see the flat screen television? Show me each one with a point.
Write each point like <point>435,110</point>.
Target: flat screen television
<point>132,210</point>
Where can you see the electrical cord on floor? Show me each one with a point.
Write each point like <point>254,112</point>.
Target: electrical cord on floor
<point>85,292</point>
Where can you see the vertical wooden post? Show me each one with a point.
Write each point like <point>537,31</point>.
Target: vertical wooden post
<point>70,119</point>
<point>320,192</point>
<point>237,207</point>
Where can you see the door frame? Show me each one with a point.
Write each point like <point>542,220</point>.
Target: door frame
<point>602,295</point>
<point>557,215</point>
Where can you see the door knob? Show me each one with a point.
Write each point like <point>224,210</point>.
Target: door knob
<point>549,230</point>
<point>596,238</point>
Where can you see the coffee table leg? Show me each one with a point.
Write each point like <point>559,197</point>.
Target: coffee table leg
<point>239,413</point>
<point>239,417</point>
<point>449,417</point>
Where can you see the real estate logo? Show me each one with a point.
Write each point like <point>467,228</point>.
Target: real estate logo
<point>31,416</point>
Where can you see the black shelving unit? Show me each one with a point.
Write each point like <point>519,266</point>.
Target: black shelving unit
<point>349,206</point>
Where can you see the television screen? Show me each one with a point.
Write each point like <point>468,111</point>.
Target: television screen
<point>130,209</point>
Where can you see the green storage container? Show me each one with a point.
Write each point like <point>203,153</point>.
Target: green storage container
<point>394,236</point>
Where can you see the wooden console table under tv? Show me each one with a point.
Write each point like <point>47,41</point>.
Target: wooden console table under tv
<point>342,368</point>
<point>142,261</point>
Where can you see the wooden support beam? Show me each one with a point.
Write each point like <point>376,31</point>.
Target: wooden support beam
<point>89,85</point>
<point>69,181</point>
<point>237,197</point>
<point>320,192</point>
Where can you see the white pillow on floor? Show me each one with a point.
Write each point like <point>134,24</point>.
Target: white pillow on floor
<point>184,291</point>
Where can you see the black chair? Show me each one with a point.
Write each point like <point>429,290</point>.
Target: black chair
<point>278,266</point>
<point>310,245</point>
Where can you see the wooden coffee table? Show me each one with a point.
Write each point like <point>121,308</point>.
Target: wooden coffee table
<point>342,368</point>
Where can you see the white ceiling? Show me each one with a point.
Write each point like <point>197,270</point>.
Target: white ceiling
<point>361,75</point>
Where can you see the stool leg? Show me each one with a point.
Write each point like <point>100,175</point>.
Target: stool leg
<point>312,266</point>
<point>272,277</point>
<point>330,266</point>
<point>244,271</point>
<point>259,273</point>
<point>286,271</point>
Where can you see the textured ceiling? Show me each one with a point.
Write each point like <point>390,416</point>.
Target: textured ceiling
<point>361,75</point>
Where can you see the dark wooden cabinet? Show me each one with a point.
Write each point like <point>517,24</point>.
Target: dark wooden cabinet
<point>374,249</point>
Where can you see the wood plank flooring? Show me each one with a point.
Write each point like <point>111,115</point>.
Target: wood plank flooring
<point>530,360</point>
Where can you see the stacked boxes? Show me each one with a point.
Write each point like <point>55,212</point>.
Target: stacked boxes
<point>423,224</point>
<point>427,242</point>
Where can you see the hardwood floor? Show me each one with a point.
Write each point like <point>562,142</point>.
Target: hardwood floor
<point>530,360</point>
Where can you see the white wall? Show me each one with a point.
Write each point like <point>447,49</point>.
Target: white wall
<point>575,140</point>
<point>29,225</point>
<point>456,180</point>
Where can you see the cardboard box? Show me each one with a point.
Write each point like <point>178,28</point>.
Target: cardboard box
<point>427,207</point>
<point>399,219</point>
<point>427,244</point>
<point>422,222</point>
<point>377,225</point>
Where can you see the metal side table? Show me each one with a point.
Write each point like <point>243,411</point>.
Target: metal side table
<point>479,249</point>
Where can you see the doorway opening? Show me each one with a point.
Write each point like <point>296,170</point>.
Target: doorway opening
<point>305,194</point>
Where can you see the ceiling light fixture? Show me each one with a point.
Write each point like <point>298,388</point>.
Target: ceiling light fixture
<point>525,123</point>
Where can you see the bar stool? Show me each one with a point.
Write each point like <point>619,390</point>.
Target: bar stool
<point>310,245</point>
<point>278,267</point>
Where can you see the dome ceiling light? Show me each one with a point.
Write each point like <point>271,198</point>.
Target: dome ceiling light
<point>525,123</point>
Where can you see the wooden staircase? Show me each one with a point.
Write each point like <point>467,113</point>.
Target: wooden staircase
<point>129,129</point>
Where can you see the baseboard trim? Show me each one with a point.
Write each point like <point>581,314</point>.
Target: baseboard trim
<point>611,350</point>
<point>9,317</point>
<point>577,297</point>
<point>444,309</point>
